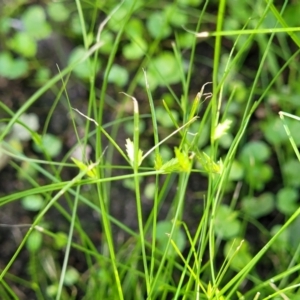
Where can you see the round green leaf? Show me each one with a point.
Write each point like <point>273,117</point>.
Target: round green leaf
<point>258,175</point>
<point>185,40</point>
<point>162,230</point>
<point>158,26</point>
<point>83,69</point>
<point>118,75</point>
<point>226,223</point>
<point>282,241</point>
<point>236,171</point>
<point>260,206</point>
<point>164,69</point>
<point>291,172</point>
<point>71,276</point>
<point>34,19</point>
<point>149,191</point>
<point>33,202</point>
<point>253,152</point>
<point>49,144</point>
<point>294,127</point>
<point>135,50</point>
<point>12,68</point>
<point>34,241</point>
<point>274,131</point>
<point>6,63</point>
<point>176,16</point>
<point>287,200</point>
<point>237,259</point>
<point>60,240</point>
<point>164,119</point>
<point>42,75</point>
<point>23,44</point>
<point>57,11</point>
<point>135,28</point>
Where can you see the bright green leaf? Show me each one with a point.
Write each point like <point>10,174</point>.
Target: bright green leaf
<point>176,16</point>
<point>135,28</point>
<point>259,206</point>
<point>236,171</point>
<point>226,223</point>
<point>164,228</point>
<point>33,202</point>
<point>49,144</point>
<point>281,243</point>
<point>118,75</point>
<point>12,68</point>
<point>136,49</point>
<point>23,44</point>
<point>150,190</point>
<point>258,175</point>
<point>34,241</point>
<point>287,200</point>
<point>254,152</point>
<point>58,12</point>
<point>291,172</point>
<point>60,240</point>
<point>82,70</point>
<point>34,19</point>
<point>164,119</point>
<point>71,276</point>
<point>238,252</point>
<point>163,69</point>
<point>158,26</point>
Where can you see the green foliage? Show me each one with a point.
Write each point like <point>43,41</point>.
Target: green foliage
<point>57,11</point>
<point>162,235</point>
<point>238,252</point>
<point>12,68</point>
<point>163,70</point>
<point>35,24</point>
<point>227,225</point>
<point>253,157</point>
<point>287,200</point>
<point>118,75</point>
<point>23,42</point>
<point>49,144</point>
<point>34,241</point>
<point>210,201</point>
<point>33,202</point>
<point>258,206</point>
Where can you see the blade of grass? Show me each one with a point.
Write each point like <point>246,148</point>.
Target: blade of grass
<point>287,130</point>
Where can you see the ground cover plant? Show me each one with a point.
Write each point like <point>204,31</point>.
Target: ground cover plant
<point>149,150</point>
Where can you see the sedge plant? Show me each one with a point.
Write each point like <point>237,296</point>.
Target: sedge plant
<point>162,257</point>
